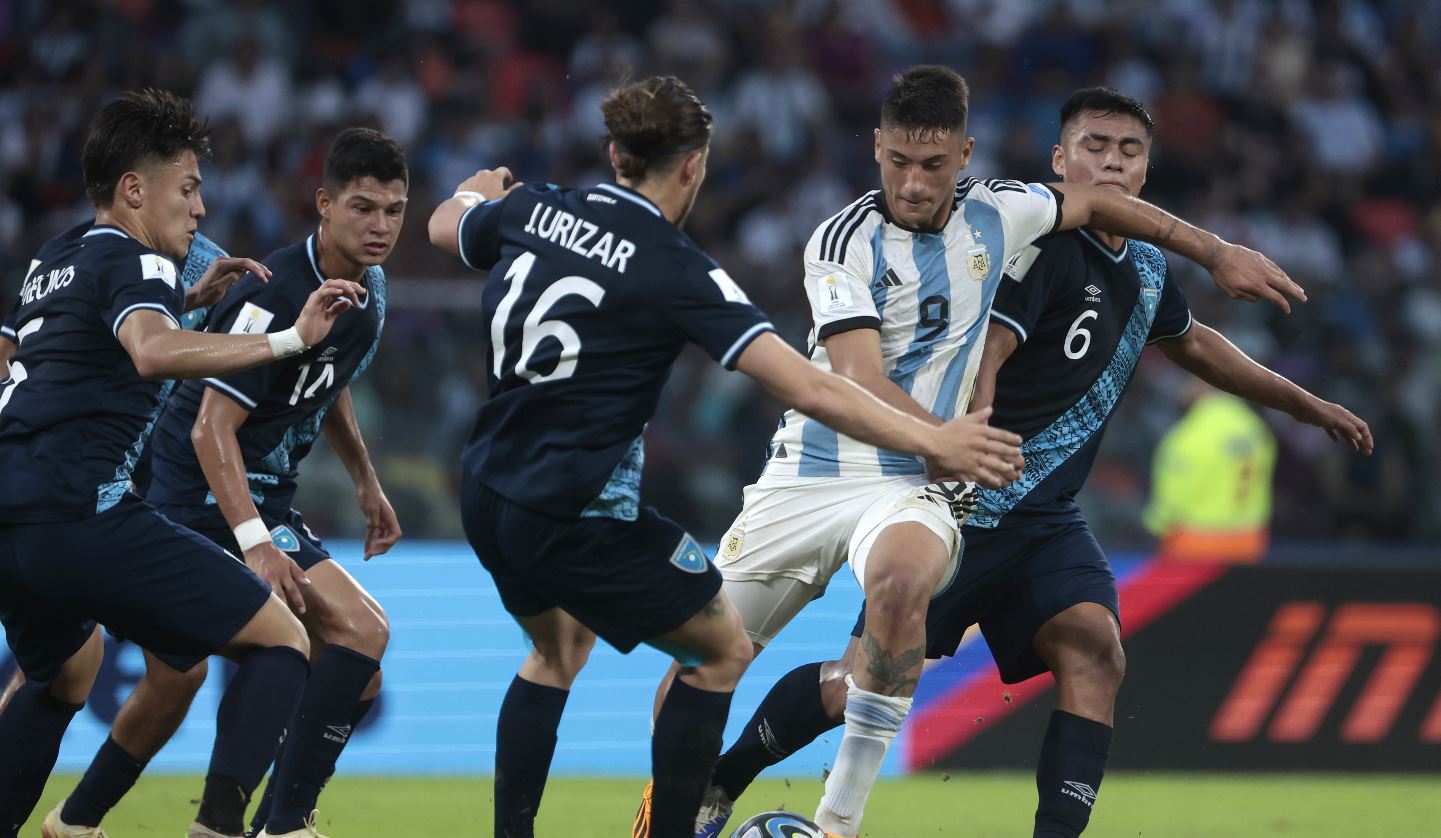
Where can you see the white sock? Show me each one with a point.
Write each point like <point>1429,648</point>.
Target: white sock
<point>872,722</point>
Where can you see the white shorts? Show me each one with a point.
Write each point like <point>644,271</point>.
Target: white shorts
<point>792,536</point>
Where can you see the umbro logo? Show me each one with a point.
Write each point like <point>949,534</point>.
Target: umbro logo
<point>1093,294</point>
<point>889,279</point>
<point>339,734</point>
<point>1081,791</point>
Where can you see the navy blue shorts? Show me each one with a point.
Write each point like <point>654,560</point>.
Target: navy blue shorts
<point>1012,581</point>
<point>140,574</point>
<point>287,530</point>
<point>627,581</point>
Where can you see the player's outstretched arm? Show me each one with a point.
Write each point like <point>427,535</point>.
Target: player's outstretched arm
<point>342,432</point>
<point>1240,271</point>
<point>1206,354</point>
<point>966,447</point>
<point>484,185</point>
<point>161,349</point>
<point>217,279</point>
<point>218,450</point>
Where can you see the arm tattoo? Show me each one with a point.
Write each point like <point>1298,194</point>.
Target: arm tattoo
<point>892,671</point>
<point>1166,236</point>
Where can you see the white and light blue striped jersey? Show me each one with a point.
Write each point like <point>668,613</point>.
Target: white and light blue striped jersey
<point>928,294</point>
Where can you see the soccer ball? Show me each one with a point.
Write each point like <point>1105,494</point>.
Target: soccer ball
<point>778,825</point>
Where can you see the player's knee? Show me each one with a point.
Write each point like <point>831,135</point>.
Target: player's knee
<point>372,688</point>
<point>899,592</point>
<point>368,632</point>
<point>1097,661</point>
<point>565,656</point>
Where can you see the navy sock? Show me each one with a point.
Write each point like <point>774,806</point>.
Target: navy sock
<point>318,734</point>
<point>683,752</point>
<point>111,774</point>
<point>30,732</point>
<point>791,716</point>
<point>524,745</point>
<point>253,713</point>
<point>262,810</point>
<point>1068,777</point>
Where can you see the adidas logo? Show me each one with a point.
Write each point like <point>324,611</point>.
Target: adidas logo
<point>1080,791</point>
<point>1093,294</point>
<point>889,279</point>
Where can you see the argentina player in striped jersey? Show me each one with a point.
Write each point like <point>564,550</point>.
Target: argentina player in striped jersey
<point>95,338</point>
<point>900,285</point>
<point>593,294</point>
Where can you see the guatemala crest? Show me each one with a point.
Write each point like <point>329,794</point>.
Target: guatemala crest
<point>978,262</point>
<point>689,556</point>
<point>1151,297</point>
<point>284,539</point>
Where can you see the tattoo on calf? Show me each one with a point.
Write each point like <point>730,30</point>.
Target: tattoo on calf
<point>892,671</point>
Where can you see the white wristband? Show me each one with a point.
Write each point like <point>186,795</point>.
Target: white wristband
<point>287,343</point>
<point>466,193</point>
<point>251,533</point>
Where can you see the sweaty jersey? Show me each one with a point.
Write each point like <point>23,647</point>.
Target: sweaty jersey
<point>1083,313</point>
<point>74,412</point>
<point>287,399</point>
<point>926,293</point>
<point>592,295</point>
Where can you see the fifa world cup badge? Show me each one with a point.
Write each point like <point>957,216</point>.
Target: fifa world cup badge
<point>978,262</point>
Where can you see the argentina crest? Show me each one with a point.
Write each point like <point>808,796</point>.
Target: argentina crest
<point>978,262</point>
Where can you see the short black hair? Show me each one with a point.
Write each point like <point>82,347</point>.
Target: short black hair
<point>140,127</point>
<point>927,97</point>
<point>363,152</point>
<point>1106,101</point>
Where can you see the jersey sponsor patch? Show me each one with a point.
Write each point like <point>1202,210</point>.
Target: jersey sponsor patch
<point>688,556</point>
<point>285,540</point>
<point>155,266</point>
<point>1019,264</point>
<point>252,320</point>
<point>834,295</point>
<point>728,287</point>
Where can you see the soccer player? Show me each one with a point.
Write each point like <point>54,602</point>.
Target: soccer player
<point>593,293</point>
<point>900,283</point>
<point>139,730</point>
<point>97,329</point>
<point>1069,330</point>
<point>225,458</point>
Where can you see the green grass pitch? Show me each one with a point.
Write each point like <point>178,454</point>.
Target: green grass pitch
<point>963,805</point>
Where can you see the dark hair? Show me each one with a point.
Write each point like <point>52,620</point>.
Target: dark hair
<point>654,119</point>
<point>1105,101</point>
<point>140,127</point>
<point>927,97</point>
<point>363,152</point>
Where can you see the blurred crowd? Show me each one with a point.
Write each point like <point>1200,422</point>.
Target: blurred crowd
<point>1308,130</point>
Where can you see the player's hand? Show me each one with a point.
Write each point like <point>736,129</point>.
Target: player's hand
<point>329,301</point>
<point>977,452</point>
<point>492,183</point>
<point>1339,423</point>
<point>1247,275</point>
<point>281,573</point>
<point>382,528</point>
<point>217,279</point>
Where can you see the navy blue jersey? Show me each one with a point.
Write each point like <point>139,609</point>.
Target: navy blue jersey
<point>593,294</point>
<point>74,411</point>
<point>1083,313</point>
<point>287,399</point>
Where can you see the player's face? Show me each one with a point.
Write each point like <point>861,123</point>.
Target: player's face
<point>1107,150</point>
<point>363,219</point>
<point>918,173</point>
<point>171,207</point>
